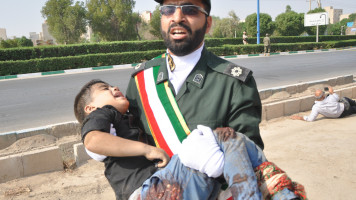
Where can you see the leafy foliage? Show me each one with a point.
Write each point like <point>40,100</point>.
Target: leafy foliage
<point>17,42</point>
<point>290,23</point>
<point>227,27</point>
<point>266,24</point>
<point>156,23</point>
<point>112,20</point>
<point>66,21</point>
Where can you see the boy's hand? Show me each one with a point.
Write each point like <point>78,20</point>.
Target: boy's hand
<point>154,153</point>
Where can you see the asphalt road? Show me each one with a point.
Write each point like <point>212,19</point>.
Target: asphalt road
<point>34,102</point>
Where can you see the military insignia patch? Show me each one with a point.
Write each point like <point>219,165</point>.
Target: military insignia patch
<point>160,76</point>
<point>138,66</point>
<point>236,71</point>
<point>198,78</point>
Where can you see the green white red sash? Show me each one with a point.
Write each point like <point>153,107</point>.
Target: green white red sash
<point>164,118</point>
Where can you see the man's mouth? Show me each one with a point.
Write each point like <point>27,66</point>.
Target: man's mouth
<point>178,33</point>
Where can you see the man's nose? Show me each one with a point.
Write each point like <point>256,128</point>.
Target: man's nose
<point>178,15</point>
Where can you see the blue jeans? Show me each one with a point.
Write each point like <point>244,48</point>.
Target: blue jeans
<point>241,157</point>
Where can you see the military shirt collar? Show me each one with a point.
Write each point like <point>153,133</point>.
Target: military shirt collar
<point>197,76</point>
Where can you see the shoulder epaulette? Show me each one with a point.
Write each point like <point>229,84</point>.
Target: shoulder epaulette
<point>231,69</point>
<point>146,65</point>
<point>237,71</point>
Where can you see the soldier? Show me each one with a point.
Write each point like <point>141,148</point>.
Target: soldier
<point>195,85</point>
<point>267,45</point>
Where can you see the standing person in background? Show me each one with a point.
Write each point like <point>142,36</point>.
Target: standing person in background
<point>267,45</point>
<point>244,38</point>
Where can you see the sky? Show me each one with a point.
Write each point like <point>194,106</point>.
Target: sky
<point>20,17</point>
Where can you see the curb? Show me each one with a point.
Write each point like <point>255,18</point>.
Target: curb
<point>31,75</point>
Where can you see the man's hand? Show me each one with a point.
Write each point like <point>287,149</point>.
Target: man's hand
<point>297,117</point>
<point>154,153</point>
<point>200,151</point>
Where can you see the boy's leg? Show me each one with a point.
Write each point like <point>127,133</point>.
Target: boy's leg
<point>239,168</point>
<point>228,139</point>
<point>177,181</point>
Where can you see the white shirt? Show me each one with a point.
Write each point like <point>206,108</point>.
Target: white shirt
<point>184,65</point>
<point>329,107</point>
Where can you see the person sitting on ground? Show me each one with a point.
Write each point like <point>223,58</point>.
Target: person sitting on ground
<point>128,154</point>
<point>330,106</point>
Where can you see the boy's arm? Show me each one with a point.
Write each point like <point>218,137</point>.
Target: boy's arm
<point>110,145</point>
<point>96,137</point>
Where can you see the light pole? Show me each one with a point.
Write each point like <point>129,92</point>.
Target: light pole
<point>258,21</point>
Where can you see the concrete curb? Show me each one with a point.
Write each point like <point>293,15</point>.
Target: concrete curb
<point>52,158</point>
<point>30,163</point>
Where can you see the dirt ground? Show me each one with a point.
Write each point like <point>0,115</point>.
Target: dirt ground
<point>320,155</point>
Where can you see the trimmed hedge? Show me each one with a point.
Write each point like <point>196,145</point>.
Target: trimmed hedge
<point>79,49</point>
<point>74,62</point>
<point>280,47</point>
<point>93,60</point>
<point>29,53</point>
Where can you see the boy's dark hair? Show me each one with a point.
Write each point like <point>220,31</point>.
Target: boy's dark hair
<point>83,98</point>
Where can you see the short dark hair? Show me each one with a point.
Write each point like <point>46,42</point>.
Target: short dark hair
<point>83,98</point>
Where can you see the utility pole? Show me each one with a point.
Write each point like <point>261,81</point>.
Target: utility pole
<point>310,1</point>
<point>319,3</point>
<point>258,21</point>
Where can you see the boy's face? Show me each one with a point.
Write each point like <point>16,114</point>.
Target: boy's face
<point>104,94</point>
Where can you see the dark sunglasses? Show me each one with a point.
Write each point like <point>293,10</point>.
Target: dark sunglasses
<point>190,10</point>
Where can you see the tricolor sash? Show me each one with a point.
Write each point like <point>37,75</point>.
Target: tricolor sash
<point>164,118</point>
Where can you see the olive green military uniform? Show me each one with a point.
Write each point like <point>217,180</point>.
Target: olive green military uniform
<point>217,93</point>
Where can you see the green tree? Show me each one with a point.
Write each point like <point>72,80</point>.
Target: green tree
<point>288,8</point>
<point>155,23</point>
<point>17,42</point>
<point>266,24</point>
<point>311,30</point>
<point>24,42</point>
<point>227,27</point>
<point>66,22</point>
<point>290,24</point>
<point>112,20</point>
<point>335,29</point>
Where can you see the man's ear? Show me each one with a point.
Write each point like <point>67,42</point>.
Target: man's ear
<point>89,108</point>
<point>210,22</point>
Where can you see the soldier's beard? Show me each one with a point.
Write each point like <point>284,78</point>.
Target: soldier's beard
<point>185,46</point>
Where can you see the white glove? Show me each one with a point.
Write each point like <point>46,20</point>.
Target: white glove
<point>200,151</point>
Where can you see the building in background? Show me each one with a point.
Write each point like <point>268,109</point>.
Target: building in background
<point>334,14</point>
<point>146,16</point>
<point>3,34</point>
<point>344,16</point>
<point>34,37</point>
<point>45,36</point>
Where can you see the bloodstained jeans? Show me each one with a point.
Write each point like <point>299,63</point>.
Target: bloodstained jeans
<point>176,180</point>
